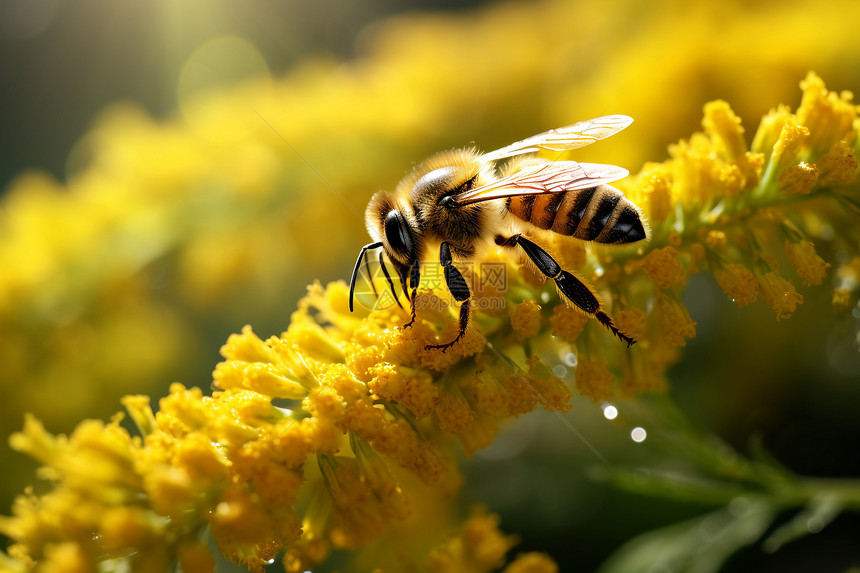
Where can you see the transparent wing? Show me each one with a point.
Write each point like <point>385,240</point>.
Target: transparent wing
<point>551,177</point>
<point>564,138</point>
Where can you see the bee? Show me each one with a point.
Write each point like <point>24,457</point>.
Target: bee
<point>463,202</point>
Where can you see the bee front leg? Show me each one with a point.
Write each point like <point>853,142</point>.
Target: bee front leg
<point>459,290</point>
<point>571,287</point>
<point>388,278</point>
<point>414,281</point>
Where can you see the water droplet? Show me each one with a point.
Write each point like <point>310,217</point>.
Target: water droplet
<point>570,359</point>
<point>610,412</point>
<point>560,370</point>
<point>638,434</point>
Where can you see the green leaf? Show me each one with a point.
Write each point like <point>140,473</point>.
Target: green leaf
<point>812,519</point>
<point>700,545</point>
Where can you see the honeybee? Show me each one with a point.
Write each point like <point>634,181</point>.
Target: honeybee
<point>462,201</point>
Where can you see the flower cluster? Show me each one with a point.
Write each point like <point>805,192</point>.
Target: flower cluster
<point>160,223</point>
<point>325,437</point>
<point>169,231</point>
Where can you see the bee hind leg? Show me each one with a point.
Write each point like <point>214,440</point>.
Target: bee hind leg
<point>571,287</point>
<point>459,290</point>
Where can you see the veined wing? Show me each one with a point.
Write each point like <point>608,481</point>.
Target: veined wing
<point>564,138</point>
<point>550,177</point>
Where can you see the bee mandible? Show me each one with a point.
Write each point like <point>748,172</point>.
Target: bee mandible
<point>461,201</point>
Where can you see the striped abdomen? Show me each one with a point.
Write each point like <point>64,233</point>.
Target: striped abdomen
<point>601,214</point>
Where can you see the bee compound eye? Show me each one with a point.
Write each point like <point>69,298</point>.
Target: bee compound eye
<point>398,235</point>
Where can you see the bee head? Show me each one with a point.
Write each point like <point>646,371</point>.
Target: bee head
<point>395,226</point>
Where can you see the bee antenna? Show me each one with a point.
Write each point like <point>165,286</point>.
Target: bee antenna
<point>361,254</point>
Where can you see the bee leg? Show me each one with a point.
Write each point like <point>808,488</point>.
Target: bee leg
<point>414,280</point>
<point>460,291</point>
<point>571,287</point>
<point>401,274</point>
<point>388,278</point>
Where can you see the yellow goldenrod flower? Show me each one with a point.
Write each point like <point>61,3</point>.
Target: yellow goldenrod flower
<point>738,282</point>
<point>838,165</point>
<point>799,179</point>
<point>326,436</point>
<point>716,239</point>
<point>163,226</point>
<point>532,563</point>
<point>632,321</point>
<point>779,294</point>
<point>809,266</point>
<point>526,319</point>
<point>792,138</point>
<point>664,268</point>
<point>656,191</point>
<point>727,135</point>
<point>827,116</point>
<point>675,322</point>
<point>593,379</point>
<point>551,391</point>
<point>480,547</point>
<point>567,323</point>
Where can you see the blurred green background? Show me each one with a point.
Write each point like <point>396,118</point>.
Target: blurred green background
<point>151,210</point>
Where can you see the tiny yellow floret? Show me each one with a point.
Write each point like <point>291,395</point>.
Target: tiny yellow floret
<point>738,282</point>
<point>779,294</point>
<point>664,267</point>
<point>807,264</point>
<point>526,319</point>
<point>593,379</point>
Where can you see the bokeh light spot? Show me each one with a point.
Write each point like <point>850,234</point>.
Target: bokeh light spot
<point>218,65</point>
<point>610,412</point>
